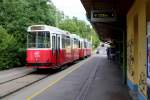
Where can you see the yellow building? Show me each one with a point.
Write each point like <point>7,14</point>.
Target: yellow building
<point>137,19</point>
<point>129,30</point>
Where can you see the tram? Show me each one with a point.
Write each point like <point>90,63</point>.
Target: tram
<point>51,47</point>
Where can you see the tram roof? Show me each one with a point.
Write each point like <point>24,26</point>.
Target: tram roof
<point>39,28</point>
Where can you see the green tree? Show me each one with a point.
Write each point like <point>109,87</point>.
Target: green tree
<point>80,28</point>
<point>95,39</point>
<point>8,50</point>
<point>17,15</point>
<point>68,25</point>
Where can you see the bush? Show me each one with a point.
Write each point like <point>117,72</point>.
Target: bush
<point>22,56</point>
<point>8,50</point>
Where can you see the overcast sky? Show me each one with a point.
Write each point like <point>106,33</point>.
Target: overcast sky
<point>71,8</point>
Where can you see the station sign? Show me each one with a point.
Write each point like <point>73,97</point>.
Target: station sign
<point>103,16</point>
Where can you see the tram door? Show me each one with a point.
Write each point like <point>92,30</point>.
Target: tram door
<point>58,49</point>
<point>54,51</point>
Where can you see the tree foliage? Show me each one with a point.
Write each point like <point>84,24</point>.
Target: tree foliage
<point>17,15</point>
<point>8,50</point>
<point>79,27</point>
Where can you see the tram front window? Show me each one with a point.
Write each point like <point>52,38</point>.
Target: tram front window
<point>39,40</point>
<point>31,40</point>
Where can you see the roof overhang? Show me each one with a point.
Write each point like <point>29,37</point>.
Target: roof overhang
<point>111,28</point>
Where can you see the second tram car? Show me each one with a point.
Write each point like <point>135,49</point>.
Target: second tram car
<point>50,47</point>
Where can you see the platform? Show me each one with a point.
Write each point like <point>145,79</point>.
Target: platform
<point>96,79</point>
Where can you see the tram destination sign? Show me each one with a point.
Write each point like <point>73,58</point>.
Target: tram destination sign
<point>37,28</point>
<point>103,16</point>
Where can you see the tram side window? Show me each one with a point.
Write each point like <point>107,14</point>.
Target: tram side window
<point>76,43</point>
<point>53,42</point>
<point>72,44</point>
<point>47,40</point>
<point>67,42</point>
<point>31,43</point>
<point>79,44</point>
<point>43,40</point>
<point>85,46</point>
<point>63,42</point>
<point>40,40</point>
<point>58,43</point>
<point>76,46</point>
<point>82,44</point>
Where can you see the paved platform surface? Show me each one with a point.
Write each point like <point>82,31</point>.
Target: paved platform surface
<point>92,79</point>
<point>96,79</point>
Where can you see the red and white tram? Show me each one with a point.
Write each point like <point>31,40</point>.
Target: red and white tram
<point>75,46</point>
<point>50,47</point>
<point>82,49</point>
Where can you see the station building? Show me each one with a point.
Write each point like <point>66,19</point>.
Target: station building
<point>127,24</point>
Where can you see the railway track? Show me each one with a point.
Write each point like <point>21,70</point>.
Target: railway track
<point>14,85</point>
<point>6,81</point>
<point>11,86</point>
<point>9,75</point>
